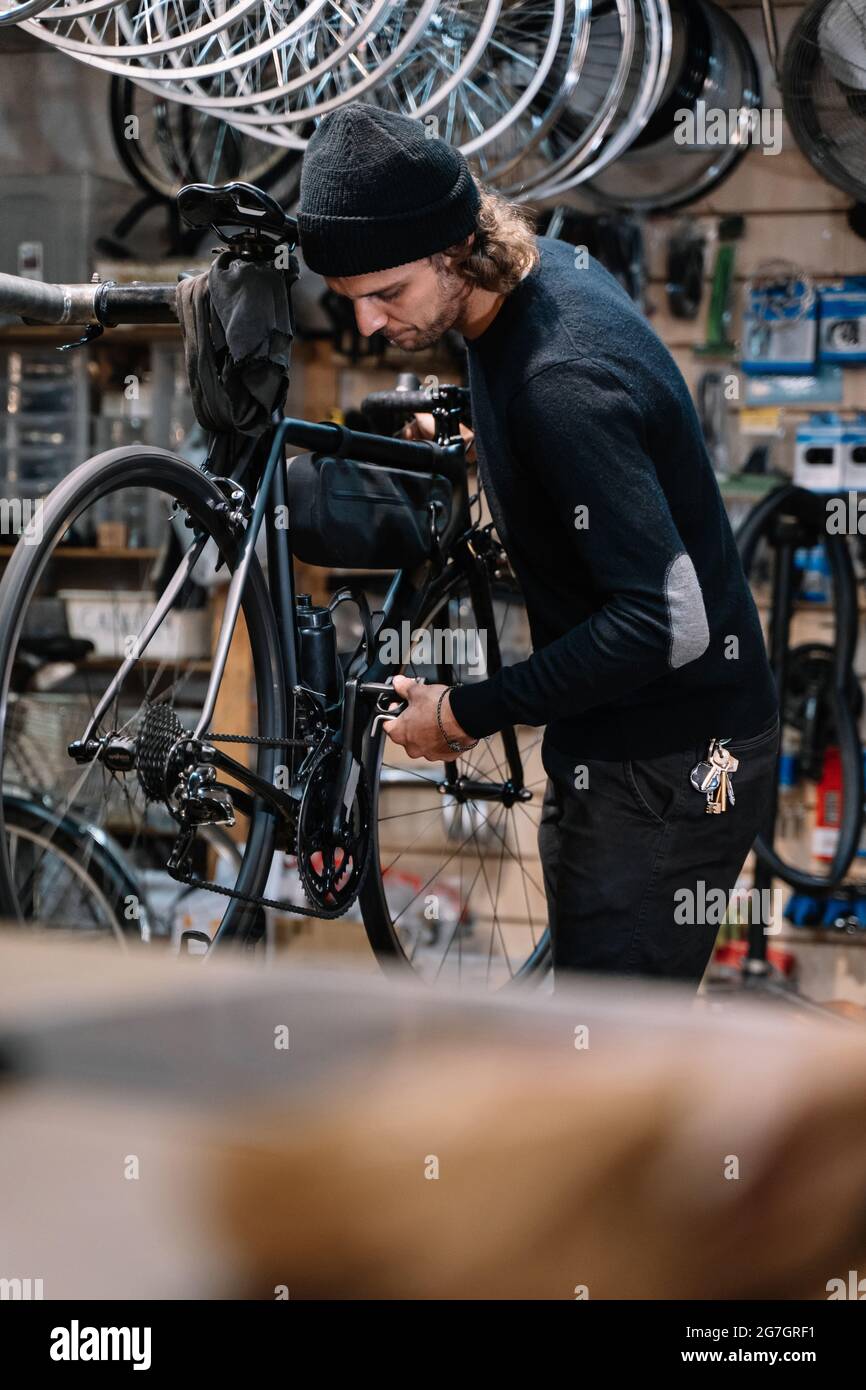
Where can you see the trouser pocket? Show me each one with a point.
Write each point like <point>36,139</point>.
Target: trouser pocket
<point>656,784</point>
<point>741,746</point>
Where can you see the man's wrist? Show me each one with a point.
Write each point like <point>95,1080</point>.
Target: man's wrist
<point>456,737</point>
<point>452,728</point>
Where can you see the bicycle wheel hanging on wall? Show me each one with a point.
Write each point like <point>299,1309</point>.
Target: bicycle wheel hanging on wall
<point>776,518</point>
<point>492,77</point>
<point>14,11</point>
<point>716,68</point>
<point>570,155</point>
<point>302,47</point>
<point>591,100</point>
<point>164,145</point>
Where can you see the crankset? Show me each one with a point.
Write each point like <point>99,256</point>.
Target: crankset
<point>332,860</point>
<point>332,863</point>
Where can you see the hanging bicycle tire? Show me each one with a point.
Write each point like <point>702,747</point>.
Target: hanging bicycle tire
<point>164,145</point>
<point>802,507</point>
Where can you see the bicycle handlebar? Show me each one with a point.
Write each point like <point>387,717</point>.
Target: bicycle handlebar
<point>105,303</point>
<point>411,401</point>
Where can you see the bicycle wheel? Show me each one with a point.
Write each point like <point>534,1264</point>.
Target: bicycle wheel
<point>130,29</point>
<point>648,72</point>
<point>302,44</point>
<point>315,73</point>
<point>173,145</point>
<point>455,890</point>
<point>592,99</point>
<point>13,11</point>
<point>172,511</point>
<point>68,878</point>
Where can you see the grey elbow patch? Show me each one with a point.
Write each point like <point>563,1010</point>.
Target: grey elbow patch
<point>687,617</point>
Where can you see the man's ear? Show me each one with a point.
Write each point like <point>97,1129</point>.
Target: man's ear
<point>459,251</point>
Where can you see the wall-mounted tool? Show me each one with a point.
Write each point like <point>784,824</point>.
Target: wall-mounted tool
<point>718,341</point>
<point>686,258</point>
<point>780,320</point>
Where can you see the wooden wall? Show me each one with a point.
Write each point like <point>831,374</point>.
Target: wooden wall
<point>791,212</point>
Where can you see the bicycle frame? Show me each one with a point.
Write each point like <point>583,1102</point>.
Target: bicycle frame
<point>366,680</point>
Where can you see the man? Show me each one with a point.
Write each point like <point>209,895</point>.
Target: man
<point>647,643</point>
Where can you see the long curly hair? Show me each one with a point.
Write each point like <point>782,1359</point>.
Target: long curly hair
<point>503,250</point>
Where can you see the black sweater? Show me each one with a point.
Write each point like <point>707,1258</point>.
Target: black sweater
<point>645,635</point>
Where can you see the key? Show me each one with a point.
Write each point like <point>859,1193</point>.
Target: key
<point>722,759</point>
<point>713,777</point>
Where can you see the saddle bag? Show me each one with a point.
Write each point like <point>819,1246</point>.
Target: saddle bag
<point>353,515</point>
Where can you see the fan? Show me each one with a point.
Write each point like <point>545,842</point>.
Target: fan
<point>824,91</point>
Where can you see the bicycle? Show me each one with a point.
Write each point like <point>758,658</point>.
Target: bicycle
<point>361,827</point>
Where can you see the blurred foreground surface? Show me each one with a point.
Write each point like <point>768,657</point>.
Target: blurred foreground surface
<point>180,1129</point>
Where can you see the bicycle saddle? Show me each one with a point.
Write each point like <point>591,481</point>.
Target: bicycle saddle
<point>235,205</point>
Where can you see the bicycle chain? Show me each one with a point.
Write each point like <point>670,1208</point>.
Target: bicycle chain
<point>258,739</point>
<point>277,904</point>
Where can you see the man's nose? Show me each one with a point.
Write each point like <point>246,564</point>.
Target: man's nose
<point>369,320</point>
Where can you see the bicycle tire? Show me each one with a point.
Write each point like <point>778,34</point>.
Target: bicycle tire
<point>802,503</point>
<point>199,496</point>
<point>273,166</point>
<point>373,900</point>
<point>92,861</point>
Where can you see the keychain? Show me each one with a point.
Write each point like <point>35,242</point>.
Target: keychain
<point>714,777</point>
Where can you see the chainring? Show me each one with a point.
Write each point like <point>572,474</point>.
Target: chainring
<point>332,868</point>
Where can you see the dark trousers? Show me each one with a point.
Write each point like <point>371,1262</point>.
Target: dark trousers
<point>622,854</point>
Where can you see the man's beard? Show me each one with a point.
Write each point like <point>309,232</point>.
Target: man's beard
<point>455,290</point>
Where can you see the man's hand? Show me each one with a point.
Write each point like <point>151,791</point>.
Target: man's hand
<point>424,427</point>
<point>417,730</point>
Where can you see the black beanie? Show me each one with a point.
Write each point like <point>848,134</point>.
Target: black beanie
<point>377,192</point>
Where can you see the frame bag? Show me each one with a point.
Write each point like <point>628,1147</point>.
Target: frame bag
<point>362,515</point>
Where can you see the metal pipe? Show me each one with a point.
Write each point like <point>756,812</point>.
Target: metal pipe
<point>31,299</point>
<point>772,35</point>
<point>102,302</point>
<point>236,587</point>
<point>136,304</point>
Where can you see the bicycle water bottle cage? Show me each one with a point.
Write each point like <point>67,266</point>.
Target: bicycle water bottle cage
<point>235,205</point>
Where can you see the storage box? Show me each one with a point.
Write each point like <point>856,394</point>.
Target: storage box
<point>819,458</point>
<point>110,619</point>
<point>779,339</point>
<point>842,332</point>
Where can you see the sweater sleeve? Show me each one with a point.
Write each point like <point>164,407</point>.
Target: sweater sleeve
<point>577,428</point>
